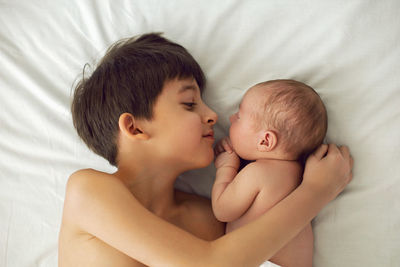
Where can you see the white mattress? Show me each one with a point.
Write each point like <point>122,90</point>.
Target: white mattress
<point>349,51</point>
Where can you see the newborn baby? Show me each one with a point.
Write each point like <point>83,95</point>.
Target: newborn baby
<point>279,123</point>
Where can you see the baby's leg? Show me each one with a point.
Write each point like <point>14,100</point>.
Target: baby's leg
<point>298,252</point>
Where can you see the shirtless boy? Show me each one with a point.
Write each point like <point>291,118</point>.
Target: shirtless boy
<point>278,124</point>
<point>142,110</point>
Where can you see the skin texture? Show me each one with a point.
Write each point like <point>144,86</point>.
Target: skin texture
<point>238,197</point>
<point>134,217</point>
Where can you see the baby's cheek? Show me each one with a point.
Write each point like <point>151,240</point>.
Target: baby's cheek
<point>233,135</point>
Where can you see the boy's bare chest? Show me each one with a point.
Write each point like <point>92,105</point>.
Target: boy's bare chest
<point>199,220</point>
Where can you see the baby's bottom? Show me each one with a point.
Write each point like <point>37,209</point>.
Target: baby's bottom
<point>298,252</point>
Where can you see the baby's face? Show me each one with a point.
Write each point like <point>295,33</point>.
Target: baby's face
<point>243,133</point>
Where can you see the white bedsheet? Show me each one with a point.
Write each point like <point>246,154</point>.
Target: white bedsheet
<point>349,51</point>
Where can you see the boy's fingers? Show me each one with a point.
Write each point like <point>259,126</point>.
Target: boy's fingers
<point>351,162</point>
<point>333,148</point>
<point>346,154</point>
<point>321,151</point>
<point>345,151</point>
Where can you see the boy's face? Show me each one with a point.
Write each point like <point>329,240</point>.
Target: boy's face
<point>182,126</point>
<point>242,133</point>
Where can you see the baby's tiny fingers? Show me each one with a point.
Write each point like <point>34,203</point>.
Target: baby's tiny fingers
<point>218,149</point>
<point>229,142</point>
<point>226,146</point>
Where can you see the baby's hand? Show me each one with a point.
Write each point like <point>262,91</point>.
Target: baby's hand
<point>328,170</point>
<point>223,145</point>
<point>224,154</point>
<point>226,159</point>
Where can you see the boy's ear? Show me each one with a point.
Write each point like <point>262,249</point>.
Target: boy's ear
<point>267,141</point>
<point>131,127</point>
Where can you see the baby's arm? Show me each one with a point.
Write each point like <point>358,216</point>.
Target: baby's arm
<point>255,186</point>
<point>231,197</point>
<point>233,193</point>
<point>104,207</point>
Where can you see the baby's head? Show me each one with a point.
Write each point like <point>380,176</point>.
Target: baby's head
<point>128,79</point>
<point>283,117</point>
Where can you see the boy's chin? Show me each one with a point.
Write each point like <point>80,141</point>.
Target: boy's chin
<point>206,162</point>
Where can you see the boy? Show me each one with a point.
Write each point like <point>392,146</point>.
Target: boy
<point>278,124</point>
<point>141,109</point>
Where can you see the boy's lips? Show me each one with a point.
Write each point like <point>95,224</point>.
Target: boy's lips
<point>210,135</point>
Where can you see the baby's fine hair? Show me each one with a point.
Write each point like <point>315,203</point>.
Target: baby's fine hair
<point>297,114</point>
<point>129,78</point>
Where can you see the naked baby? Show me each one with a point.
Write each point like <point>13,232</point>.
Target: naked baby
<point>279,123</point>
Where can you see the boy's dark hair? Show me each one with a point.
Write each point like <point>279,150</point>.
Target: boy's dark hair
<point>129,79</point>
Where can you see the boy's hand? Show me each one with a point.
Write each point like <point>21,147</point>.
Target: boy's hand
<point>329,169</point>
<point>225,156</point>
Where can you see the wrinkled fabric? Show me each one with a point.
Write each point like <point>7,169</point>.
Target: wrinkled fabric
<point>349,51</point>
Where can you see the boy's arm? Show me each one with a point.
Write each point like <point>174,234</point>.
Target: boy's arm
<point>104,207</point>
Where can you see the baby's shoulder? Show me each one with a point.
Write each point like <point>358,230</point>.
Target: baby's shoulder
<point>279,167</point>
<point>275,173</point>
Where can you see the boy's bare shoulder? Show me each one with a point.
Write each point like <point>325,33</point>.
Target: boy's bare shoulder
<point>88,185</point>
<point>87,174</point>
<point>81,179</point>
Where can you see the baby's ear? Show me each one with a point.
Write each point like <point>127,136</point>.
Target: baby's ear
<point>130,127</point>
<point>267,141</point>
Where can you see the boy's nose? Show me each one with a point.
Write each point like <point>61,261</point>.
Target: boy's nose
<point>211,117</point>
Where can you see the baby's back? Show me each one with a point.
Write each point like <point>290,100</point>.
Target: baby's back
<point>277,179</point>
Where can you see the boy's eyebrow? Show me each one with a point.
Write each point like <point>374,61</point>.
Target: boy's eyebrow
<point>187,87</point>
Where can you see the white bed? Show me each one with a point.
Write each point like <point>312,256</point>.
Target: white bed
<point>349,51</point>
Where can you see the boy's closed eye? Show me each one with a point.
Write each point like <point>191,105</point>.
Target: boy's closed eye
<point>189,105</point>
